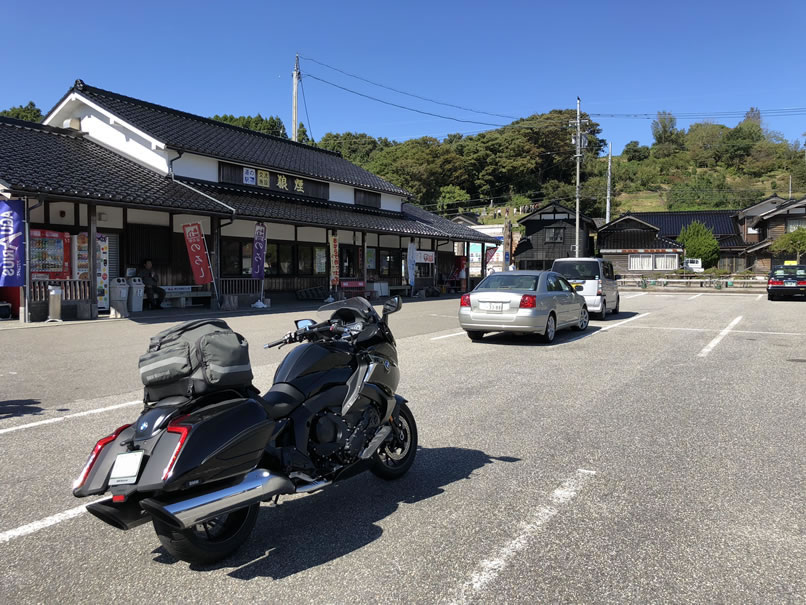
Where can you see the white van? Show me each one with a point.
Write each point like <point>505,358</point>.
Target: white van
<point>594,279</point>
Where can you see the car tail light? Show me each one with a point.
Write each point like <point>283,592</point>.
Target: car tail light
<point>599,288</point>
<point>182,430</point>
<point>465,302</point>
<point>528,301</point>
<point>802,282</point>
<point>775,282</point>
<point>96,451</point>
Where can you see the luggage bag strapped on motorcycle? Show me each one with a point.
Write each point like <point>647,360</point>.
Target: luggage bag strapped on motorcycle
<point>194,358</point>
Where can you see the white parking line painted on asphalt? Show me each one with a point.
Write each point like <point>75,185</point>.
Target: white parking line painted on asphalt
<point>448,335</point>
<point>695,296</point>
<point>634,295</point>
<point>759,297</point>
<point>716,330</point>
<point>621,323</point>
<point>710,346</point>
<point>69,416</point>
<point>30,528</point>
<point>438,315</point>
<point>489,569</point>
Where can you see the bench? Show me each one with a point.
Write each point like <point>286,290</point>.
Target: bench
<point>402,289</point>
<point>184,294</point>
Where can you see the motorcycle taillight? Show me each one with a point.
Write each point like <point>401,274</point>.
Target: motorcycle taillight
<point>93,457</point>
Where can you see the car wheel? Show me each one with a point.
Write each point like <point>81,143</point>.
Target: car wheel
<point>584,320</point>
<point>770,296</point>
<point>475,336</point>
<point>603,313</point>
<point>551,329</point>
<point>618,304</point>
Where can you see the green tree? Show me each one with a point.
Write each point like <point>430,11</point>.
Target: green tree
<point>793,242</point>
<point>450,194</point>
<point>668,139</point>
<point>635,152</point>
<point>703,140</point>
<point>699,242</point>
<point>29,113</point>
<point>302,135</point>
<point>357,147</point>
<point>271,125</point>
<point>738,143</point>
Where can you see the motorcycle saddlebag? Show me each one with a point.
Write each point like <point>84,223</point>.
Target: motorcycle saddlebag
<point>195,358</point>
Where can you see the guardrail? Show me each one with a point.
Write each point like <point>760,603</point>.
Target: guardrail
<point>72,289</point>
<point>708,281</point>
<point>240,285</point>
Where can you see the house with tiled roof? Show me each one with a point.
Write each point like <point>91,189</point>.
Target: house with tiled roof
<point>762,223</point>
<point>641,242</point>
<point>136,172</point>
<point>550,233</point>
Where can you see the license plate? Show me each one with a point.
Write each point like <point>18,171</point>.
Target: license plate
<point>126,468</point>
<point>789,283</point>
<point>492,306</point>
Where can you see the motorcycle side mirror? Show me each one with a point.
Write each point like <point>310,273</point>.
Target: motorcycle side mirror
<point>303,324</point>
<point>392,305</point>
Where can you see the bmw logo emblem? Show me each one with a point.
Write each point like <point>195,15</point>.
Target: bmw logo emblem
<point>144,426</point>
<point>386,364</point>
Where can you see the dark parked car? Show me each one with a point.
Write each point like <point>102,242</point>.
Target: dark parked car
<point>786,280</point>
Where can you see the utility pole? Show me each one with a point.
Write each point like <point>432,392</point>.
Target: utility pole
<point>609,169</point>
<point>790,187</point>
<point>580,143</point>
<point>294,107</point>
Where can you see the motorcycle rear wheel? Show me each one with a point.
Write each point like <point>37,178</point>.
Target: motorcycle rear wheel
<point>210,541</point>
<point>394,458</point>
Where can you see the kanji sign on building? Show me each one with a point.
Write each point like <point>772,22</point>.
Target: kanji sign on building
<point>197,253</point>
<point>259,251</point>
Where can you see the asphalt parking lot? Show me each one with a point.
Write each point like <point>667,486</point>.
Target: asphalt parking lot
<point>659,456</point>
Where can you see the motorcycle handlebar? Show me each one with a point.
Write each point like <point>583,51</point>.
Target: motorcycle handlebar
<point>325,327</point>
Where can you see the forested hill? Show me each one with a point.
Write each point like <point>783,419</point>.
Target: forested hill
<point>531,161</point>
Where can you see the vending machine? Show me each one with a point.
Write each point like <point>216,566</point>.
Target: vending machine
<point>81,264</point>
<point>50,254</point>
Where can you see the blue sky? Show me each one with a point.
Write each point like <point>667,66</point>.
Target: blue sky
<point>513,58</point>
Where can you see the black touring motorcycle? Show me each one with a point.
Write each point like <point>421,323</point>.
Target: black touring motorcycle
<point>207,448</point>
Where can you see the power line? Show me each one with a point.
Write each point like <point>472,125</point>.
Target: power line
<point>402,92</point>
<point>428,113</point>
<point>305,103</point>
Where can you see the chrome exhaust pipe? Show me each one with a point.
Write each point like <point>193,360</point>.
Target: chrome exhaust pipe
<point>125,516</point>
<point>256,486</point>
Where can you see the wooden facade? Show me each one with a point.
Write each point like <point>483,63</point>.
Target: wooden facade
<point>551,234</point>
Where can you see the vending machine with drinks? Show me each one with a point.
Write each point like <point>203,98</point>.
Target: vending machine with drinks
<point>81,264</point>
<point>50,254</point>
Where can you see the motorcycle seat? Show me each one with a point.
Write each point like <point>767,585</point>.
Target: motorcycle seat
<point>281,399</point>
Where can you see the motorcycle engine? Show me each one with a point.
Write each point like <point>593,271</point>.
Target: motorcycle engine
<point>334,440</point>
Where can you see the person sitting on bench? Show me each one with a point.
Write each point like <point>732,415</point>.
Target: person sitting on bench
<point>154,295</point>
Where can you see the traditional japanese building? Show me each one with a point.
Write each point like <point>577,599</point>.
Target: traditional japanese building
<point>136,172</point>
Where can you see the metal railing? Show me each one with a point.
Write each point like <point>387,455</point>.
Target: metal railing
<point>695,281</point>
<point>72,289</point>
<point>240,285</point>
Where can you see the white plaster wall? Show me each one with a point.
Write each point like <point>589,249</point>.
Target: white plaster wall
<point>349,237</point>
<point>311,234</point>
<point>372,239</point>
<point>122,140</point>
<point>240,229</point>
<point>341,193</point>
<point>278,231</point>
<point>197,167</point>
<point>37,215</point>
<point>148,217</point>
<point>425,244</point>
<point>391,241</point>
<point>446,247</point>
<point>391,202</point>
<point>184,219</point>
<point>56,208</point>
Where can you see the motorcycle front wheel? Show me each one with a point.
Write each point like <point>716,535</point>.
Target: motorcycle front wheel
<point>210,541</point>
<point>394,458</point>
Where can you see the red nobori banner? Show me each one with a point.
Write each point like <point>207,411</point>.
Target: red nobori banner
<point>197,253</point>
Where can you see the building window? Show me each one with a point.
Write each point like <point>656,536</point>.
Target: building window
<point>311,260</point>
<point>367,198</point>
<point>665,262</point>
<point>795,223</point>
<point>554,235</point>
<point>640,262</point>
<point>390,262</point>
<point>348,261</point>
<point>236,257</point>
<point>279,259</point>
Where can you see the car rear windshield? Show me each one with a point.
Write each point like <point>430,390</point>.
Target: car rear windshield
<point>508,281</point>
<point>577,269</point>
<point>790,271</point>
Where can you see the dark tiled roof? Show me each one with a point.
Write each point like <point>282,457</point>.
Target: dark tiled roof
<point>288,208</point>
<point>634,239</point>
<point>192,133</point>
<point>732,241</point>
<point>720,222</point>
<point>41,159</point>
<point>445,226</point>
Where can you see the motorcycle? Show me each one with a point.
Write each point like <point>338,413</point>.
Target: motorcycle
<point>198,468</point>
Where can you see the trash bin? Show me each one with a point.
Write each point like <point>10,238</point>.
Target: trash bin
<point>54,303</point>
<point>136,293</point>
<point>118,294</point>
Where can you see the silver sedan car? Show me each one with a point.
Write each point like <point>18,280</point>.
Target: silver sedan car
<point>528,302</point>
